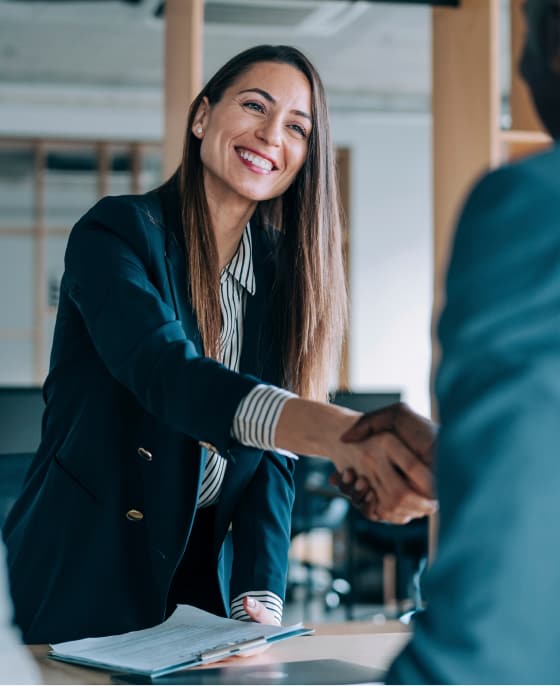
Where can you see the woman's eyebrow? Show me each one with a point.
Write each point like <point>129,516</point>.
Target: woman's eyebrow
<point>266,95</point>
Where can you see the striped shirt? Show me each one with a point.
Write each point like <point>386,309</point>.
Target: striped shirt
<point>257,415</point>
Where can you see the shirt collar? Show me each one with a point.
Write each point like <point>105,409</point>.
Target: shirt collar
<point>241,264</point>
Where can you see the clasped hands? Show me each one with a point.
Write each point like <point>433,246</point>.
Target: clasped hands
<point>391,480</point>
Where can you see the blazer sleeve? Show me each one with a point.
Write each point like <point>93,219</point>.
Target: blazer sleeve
<point>137,334</point>
<point>261,525</point>
<point>492,593</point>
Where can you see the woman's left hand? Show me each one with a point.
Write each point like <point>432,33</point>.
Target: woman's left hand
<point>258,612</point>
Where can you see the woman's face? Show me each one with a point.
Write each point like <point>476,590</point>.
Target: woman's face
<point>255,139</point>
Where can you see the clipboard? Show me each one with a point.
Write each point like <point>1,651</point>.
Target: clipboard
<point>190,637</point>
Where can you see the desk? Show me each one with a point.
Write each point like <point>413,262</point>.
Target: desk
<point>365,643</point>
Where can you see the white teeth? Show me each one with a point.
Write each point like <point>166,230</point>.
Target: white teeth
<point>256,160</point>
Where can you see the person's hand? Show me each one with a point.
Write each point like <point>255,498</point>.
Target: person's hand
<point>392,483</point>
<point>400,479</point>
<point>417,432</point>
<point>357,490</point>
<point>258,612</point>
<point>418,435</point>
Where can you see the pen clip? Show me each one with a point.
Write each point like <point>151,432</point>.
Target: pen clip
<point>231,649</point>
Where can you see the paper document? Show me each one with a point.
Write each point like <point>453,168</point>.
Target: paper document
<point>189,637</point>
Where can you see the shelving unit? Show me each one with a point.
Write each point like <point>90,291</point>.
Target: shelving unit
<point>466,106</point>
<point>45,186</point>
<point>467,139</point>
<point>516,144</point>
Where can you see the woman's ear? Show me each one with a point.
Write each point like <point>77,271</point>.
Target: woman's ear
<point>201,118</point>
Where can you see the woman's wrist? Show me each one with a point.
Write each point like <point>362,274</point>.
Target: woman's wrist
<point>313,428</point>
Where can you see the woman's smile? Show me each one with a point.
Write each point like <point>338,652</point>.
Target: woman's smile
<point>255,162</point>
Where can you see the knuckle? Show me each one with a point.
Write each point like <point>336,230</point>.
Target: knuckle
<point>399,495</point>
<point>399,408</point>
<point>385,441</point>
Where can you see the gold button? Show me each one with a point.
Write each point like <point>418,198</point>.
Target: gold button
<point>146,454</point>
<point>209,446</point>
<point>134,515</point>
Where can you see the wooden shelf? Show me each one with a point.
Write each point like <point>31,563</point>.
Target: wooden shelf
<point>466,106</point>
<point>516,144</point>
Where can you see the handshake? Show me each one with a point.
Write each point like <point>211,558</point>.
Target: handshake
<point>383,459</point>
<point>396,483</point>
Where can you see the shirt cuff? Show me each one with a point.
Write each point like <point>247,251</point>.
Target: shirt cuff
<point>257,416</point>
<point>270,600</point>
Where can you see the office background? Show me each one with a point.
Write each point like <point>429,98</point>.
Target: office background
<point>93,71</point>
<point>81,115</point>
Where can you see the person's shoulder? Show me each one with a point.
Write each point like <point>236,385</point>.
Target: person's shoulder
<point>537,173</point>
<point>143,209</point>
<point>511,198</point>
<point>135,219</point>
<point>509,219</point>
<point>542,170</point>
<point>132,220</point>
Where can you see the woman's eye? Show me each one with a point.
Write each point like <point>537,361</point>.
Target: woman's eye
<point>255,106</point>
<point>299,130</point>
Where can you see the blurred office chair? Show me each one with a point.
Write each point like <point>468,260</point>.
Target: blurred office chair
<point>317,506</point>
<point>21,411</point>
<point>13,468</point>
<point>404,549</point>
<point>365,401</point>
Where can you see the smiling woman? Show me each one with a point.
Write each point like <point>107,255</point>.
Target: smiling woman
<point>266,133</point>
<point>260,142</point>
<point>189,317</point>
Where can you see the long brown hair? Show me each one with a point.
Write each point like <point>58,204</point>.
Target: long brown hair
<point>310,292</point>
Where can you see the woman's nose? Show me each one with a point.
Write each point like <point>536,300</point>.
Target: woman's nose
<point>270,132</point>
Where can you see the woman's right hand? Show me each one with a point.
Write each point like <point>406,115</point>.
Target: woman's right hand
<point>399,478</point>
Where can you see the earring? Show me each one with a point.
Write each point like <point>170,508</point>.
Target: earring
<point>199,130</point>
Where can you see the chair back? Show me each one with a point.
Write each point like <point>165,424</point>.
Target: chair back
<point>13,468</point>
<point>365,401</point>
<point>21,411</point>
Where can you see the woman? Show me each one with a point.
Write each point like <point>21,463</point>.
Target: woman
<point>181,312</point>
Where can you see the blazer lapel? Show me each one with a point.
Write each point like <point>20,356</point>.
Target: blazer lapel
<point>175,262</point>
<point>257,356</point>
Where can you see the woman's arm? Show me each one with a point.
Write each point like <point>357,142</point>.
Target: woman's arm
<point>261,528</point>
<point>395,469</point>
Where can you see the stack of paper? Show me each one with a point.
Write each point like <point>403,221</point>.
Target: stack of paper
<point>189,637</point>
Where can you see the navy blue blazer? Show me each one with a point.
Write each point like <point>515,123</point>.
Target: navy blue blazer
<point>127,378</point>
<point>493,592</point>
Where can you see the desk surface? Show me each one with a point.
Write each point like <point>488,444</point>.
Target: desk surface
<point>365,643</point>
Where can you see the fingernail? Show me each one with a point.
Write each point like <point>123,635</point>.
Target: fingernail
<point>369,497</point>
<point>360,484</point>
<point>346,476</point>
<point>251,602</point>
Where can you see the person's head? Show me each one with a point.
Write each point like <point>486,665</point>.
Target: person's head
<point>254,133</point>
<point>260,129</point>
<point>223,118</point>
<point>540,62</point>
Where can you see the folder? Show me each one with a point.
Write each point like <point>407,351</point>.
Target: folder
<point>188,638</point>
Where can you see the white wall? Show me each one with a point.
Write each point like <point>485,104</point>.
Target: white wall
<point>391,251</point>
